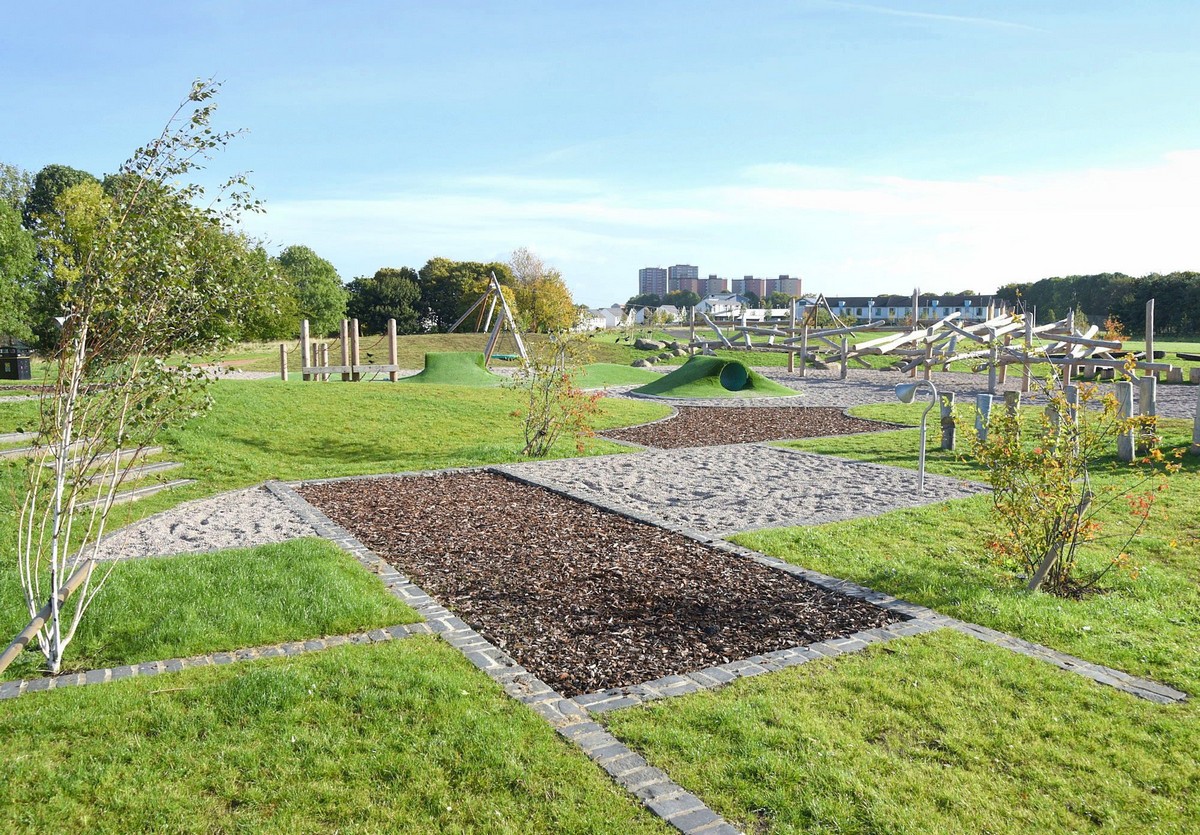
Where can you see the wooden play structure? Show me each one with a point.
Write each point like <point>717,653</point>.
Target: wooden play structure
<point>315,354</point>
<point>993,345</point>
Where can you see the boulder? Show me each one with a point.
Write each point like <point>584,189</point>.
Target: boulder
<point>640,364</point>
<point>679,352</point>
<point>665,355</point>
<point>647,345</point>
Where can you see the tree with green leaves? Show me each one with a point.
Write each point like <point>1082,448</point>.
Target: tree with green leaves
<point>317,287</point>
<point>389,294</point>
<point>778,300</point>
<point>682,298</point>
<point>544,304</point>
<point>644,300</point>
<point>48,184</point>
<point>17,258</point>
<point>141,274</point>
<point>15,183</point>
<point>449,288</point>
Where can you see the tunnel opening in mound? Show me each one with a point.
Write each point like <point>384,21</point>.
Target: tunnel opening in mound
<point>703,376</point>
<point>455,368</point>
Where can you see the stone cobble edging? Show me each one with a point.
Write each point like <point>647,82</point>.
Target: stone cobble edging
<point>711,678</point>
<point>661,795</point>
<point>1142,688</point>
<point>21,687</point>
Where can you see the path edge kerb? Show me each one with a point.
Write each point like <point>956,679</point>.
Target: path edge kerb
<point>651,786</point>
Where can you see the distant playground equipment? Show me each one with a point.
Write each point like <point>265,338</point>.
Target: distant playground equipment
<point>489,301</point>
<point>705,376</point>
<point>455,368</point>
<point>994,344</point>
<point>314,355</point>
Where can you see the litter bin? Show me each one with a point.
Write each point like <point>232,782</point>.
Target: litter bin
<point>13,364</point>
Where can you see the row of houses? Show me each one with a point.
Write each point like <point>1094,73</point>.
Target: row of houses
<point>731,306</point>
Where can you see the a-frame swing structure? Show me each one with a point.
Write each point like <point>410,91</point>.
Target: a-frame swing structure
<point>812,313</point>
<point>494,324</point>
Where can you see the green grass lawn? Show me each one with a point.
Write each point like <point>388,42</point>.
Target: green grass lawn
<point>942,733</point>
<point>939,733</point>
<point>191,605</point>
<point>397,737</point>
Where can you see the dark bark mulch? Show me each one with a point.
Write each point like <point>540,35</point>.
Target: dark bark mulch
<point>584,598</point>
<point>713,425</point>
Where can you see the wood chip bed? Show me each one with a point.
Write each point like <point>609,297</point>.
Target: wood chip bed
<point>713,425</point>
<point>584,598</point>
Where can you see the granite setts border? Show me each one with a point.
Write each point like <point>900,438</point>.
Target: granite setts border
<point>661,795</point>
<point>1141,688</point>
<point>20,687</point>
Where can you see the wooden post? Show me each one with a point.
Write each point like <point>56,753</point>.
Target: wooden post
<point>791,333</point>
<point>1002,371</point>
<point>39,620</point>
<point>845,356</point>
<point>916,300</point>
<point>948,421</point>
<point>323,352</point>
<point>992,360</point>
<point>928,361</point>
<point>1150,330</point>
<point>983,413</point>
<point>1027,367</point>
<point>354,358</point>
<point>1147,407</point>
<point>1195,450</point>
<point>345,333</point>
<point>305,349</point>
<point>803,348</point>
<point>283,361</point>
<point>1124,412</point>
<point>393,353</point>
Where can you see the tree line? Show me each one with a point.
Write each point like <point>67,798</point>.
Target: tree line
<point>277,292</point>
<point>1176,295</point>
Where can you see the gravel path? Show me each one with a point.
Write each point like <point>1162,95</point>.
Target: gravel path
<point>721,490</point>
<point>240,519</point>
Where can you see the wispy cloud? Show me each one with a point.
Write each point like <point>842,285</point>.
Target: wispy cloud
<point>934,16</point>
<point>845,231</point>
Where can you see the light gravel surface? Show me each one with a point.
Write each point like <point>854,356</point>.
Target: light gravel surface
<point>725,489</point>
<point>240,519</point>
<point>712,490</point>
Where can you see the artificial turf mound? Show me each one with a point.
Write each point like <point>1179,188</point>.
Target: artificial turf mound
<point>714,377</point>
<point>455,368</point>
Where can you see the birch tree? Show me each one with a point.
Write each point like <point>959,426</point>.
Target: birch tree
<point>142,269</point>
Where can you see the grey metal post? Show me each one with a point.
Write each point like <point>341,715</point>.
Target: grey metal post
<point>1124,390</point>
<point>948,420</point>
<point>845,356</point>
<point>983,413</point>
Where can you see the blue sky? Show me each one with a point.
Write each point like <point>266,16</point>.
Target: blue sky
<point>868,147</point>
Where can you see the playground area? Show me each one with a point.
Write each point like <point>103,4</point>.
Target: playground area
<point>631,604</point>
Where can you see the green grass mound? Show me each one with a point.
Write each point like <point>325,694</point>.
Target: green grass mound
<point>714,377</point>
<point>600,374</point>
<point>455,368</point>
